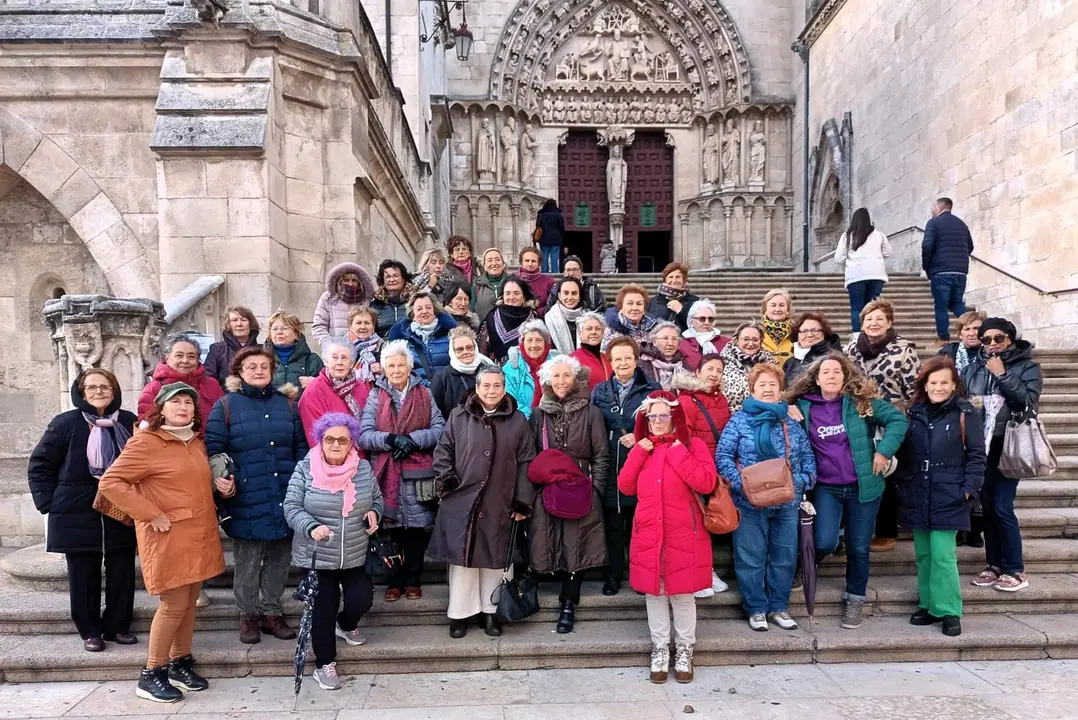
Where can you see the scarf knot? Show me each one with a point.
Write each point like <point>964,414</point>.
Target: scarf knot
<point>529,276</point>
<point>425,331</point>
<point>366,356</point>
<point>336,478</point>
<point>777,330</point>
<point>107,439</point>
<point>763,416</point>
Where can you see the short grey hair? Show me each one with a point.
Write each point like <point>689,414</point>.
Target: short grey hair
<point>489,369</point>
<point>397,347</point>
<point>535,326</point>
<point>329,345</point>
<point>659,327</point>
<point>699,305</point>
<point>175,339</point>
<point>590,316</point>
<point>546,370</point>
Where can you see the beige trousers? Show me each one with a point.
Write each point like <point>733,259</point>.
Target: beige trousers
<point>684,611</point>
<point>470,591</point>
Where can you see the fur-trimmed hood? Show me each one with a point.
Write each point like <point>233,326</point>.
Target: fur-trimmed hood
<point>577,398</point>
<point>687,382</point>
<point>290,391</point>
<point>366,282</point>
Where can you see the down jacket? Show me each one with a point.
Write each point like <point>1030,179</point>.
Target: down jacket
<point>260,429</point>
<point>935,498</point>
<point>695,400</point>
<point>619,418</point>
<point>1020,385</point>
<point>209,390</point>
<point>62,486</point>
<point>946,245</point>
<point>306,507</point>
<point>331,312</point>
<point>670,550</point>
<point>303,363</point>
<point>575,427</point>
<point>737,447</point>
<point>481,476</point>
<point>432,355</point>
<point>391,310</point>
<point>519,381</point>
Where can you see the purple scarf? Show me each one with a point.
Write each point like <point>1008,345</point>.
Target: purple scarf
<point>104,447</point>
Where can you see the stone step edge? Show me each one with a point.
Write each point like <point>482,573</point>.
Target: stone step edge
<point>608,643</point>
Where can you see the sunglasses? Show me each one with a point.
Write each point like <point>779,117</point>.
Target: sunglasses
<point>336,441</point>
<point>655,417</point>
<point>993,339</point>
<point>704,319</point>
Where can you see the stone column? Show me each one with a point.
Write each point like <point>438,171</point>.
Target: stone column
<point>453,218</point>
<point>769,259</point>
<point>473,212</point>
<point>748,212</point>
<point>727,251</point>
<point>514,212</point>
<point>705,220</point>
<point>789,234</point>
<point>683,221</point>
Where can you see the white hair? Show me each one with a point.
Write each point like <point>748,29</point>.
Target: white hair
<point>535,326</point>
<point>699,305</point>
<point>660,326</point>
<point>590,316</point>
<point>327,348</point>
<point>546,370</point>
<point>397,347</point>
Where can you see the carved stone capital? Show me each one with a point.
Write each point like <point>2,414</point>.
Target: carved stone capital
<point>705,216</point>
<point>616,135</point>
<point>683,218</point>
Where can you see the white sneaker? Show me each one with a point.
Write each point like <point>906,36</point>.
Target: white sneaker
<point>758,622</point>
<point>717,584</point>
<point>354,637</point>
<point>326,677</point>
<point>783,620</point>
<point>704,594</point>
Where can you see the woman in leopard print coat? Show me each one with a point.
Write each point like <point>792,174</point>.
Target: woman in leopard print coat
<point>740,355</point>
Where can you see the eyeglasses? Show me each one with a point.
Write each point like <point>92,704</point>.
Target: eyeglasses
<point>810,331</point>
<point>336,441</point>
<point>655,417</point>
<point>704,319</point>
<point>993,339</point>
<point>94,389</point>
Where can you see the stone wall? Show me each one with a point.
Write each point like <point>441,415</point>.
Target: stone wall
<point>971,100</point>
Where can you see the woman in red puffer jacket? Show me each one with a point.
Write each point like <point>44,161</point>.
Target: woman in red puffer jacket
<point>670,551</point>
<point>701,398</point>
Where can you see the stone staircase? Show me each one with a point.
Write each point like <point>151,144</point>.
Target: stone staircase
<point>37,640</point>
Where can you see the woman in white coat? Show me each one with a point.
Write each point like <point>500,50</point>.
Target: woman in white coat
<point>863,251</point>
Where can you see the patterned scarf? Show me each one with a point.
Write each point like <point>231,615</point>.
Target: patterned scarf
<point>662,368</point>
<point>344,390</point>
<point>872,349</point>
<point>961,357</point>
<point>104,447</point>
<point>509,315</point>
<point>349,294</point>
<point>336,478</point>
<point>366,355</point>
<point>673,293</point>
<point>777,331</point>
<point>561,321</point>
<point>425,331</point>
<point>735,376</point>
<point>637,331</point>
<point>410,413</point>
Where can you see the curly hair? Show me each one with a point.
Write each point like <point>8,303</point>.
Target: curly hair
<point>546,370</point>
<point>249,352</point>
<point>861,389</point>
<point>332,420</point>
<point>396,265</point>
<point>363,310</point>
<point>819,317</point>
<point>425,294</point>
<point>453,241</point>
<point>760,369</point>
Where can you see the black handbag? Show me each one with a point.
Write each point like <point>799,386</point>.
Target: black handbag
<point>515,599</point>
<point>383,554</point>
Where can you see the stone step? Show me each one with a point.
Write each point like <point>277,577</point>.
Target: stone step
<point>1049,493</point>
<point>36,613</point>
<point>594,643</point>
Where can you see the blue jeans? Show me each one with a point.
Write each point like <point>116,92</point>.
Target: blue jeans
<point>948,293</point>
<point>551,262</point>
<point>1002,536</point>
<point>862,293</point>
<point>765,553</point>
<point>833,503</point>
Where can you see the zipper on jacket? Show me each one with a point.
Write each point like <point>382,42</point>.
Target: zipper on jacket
<point>342,542</point>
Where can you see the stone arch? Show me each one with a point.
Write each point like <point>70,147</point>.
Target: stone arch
<point>714,66</point>
<point>59,178</point>
<point>831,194</point>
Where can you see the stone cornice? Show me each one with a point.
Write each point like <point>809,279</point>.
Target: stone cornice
<point>825,13</point>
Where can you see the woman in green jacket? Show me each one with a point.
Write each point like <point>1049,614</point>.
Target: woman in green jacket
<point>841,412</point>
<point>296,364</point>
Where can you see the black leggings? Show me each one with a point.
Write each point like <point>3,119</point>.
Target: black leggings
<point>619,529</point>
<point>358,591</point>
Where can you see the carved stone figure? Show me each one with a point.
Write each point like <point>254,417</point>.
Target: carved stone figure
<point>618,57</point>
<point>686,112</point>
<point>585,111</point>
<point>616,180</point>
<point>711,156</point>
<point>570,111</point>
<point>731,155</point>
<point>649,112</point>
<point>484,152</point>
<point>510,151</point>
<point>548,108</point>
<point>673,110</point>
<point>568,68</point>
<point>594,52</point>
<point>84,343</point>
<point>559,110</point>
<point>528,146</point>
<point>635,109</point>
<point>150,347</point>
<point>757,153</point>
<point>610,112</point>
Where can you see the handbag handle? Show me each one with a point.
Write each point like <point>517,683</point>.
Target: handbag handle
<point>512,545</point>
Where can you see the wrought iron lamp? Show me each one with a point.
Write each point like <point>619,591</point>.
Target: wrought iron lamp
<point>460,38</point>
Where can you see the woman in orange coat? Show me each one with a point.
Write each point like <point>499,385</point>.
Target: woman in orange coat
<point>162,480</point>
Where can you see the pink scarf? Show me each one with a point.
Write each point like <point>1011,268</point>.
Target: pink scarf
<point>465,267</point>
<point>336,478</point>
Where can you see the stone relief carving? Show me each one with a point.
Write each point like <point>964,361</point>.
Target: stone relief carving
<point>757,153</point>
<point>510,152</point>
<point>731,155</point>
<point>528,147</point>
<point>484,152</point>
<point>711,156</point>
<point>84,343</point>
<point>616,180</point>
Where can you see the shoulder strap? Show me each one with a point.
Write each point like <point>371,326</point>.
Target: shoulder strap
<point>546,435</point>
<point>786,436</point>
<point>962,426</point>
<point>228,413</point>
<point>707,416</point>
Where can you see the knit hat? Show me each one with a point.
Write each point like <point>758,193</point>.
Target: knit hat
<point>167,392</point>
<point>1001,324</point>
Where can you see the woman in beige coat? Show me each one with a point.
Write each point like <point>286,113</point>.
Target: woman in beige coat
<point>162,480</point>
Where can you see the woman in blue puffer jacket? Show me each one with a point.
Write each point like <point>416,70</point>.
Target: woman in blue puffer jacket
<point>258,427</point>
<point>426,330</point>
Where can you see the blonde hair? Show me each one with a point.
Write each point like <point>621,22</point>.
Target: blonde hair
<point>773,294</point>
<point>288,319</point>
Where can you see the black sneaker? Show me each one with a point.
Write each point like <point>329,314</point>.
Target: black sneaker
<point>923,618</point>
<point>154,685</point>
<point>182,675</point>
<point>952,626</point>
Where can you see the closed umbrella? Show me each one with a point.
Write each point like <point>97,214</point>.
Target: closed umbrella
<point>305,593</point>
<point>807,546</point>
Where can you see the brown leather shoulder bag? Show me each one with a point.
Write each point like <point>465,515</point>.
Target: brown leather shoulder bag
<point>770,482</point>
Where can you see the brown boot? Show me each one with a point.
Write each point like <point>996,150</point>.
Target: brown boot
<point>249,632</point>
<point>277,627</point>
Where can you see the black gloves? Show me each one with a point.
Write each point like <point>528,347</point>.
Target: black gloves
<point>403,446</point>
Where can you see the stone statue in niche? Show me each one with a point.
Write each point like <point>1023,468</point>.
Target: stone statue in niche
<point>686,112</point>
<point>711,156</point>
<point>570,111</point>
<point>616,180</point>
<point>757,153</point>
<point>731,155</point>
<point>611,112</point>
<point>673,111</point>
<point>484,152</point>
<point>559,110</point>
<point>528,147</point>
<point>649,112</point>
<point>618,56</point>
<point>510,151</point>
<point>585,111</point>
<point>548,108</point>
<point>635,110</point>
<point>84,343</point>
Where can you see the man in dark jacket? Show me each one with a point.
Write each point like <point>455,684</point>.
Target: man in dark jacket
<point>593,298</point>
<point>551,224</point>
<point>945,252</point>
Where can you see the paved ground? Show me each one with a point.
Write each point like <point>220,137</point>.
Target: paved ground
<point>1033,690</point>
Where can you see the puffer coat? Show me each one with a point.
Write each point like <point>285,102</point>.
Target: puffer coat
<point>696,400</point>
<point>307,507</point>
<point>303,363</point>
<point>670,550</point>
<point>432,355</point>
<point>62,486</point>
<point>519,381</point>
<point>938,469</point>
<point>390,310</point>
<point>1020,385</point>
<point>209,390</point>
<point>481,466</point>
<point>576,427</point>
<point>261,430</point>
<point>619,419</point>
<point>331,312</point>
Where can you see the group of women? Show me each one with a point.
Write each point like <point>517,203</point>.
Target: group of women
<point>465,411</point>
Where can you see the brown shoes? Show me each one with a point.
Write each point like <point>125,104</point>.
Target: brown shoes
<point>883,544</point>
<point>250,633</point>
<point>393,594</point>
<point>414,593</point>
<point>277,627</point>
<point>94,644</point>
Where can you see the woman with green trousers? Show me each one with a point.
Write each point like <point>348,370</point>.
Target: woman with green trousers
<point>942,466</point>
<point>841,411</point>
